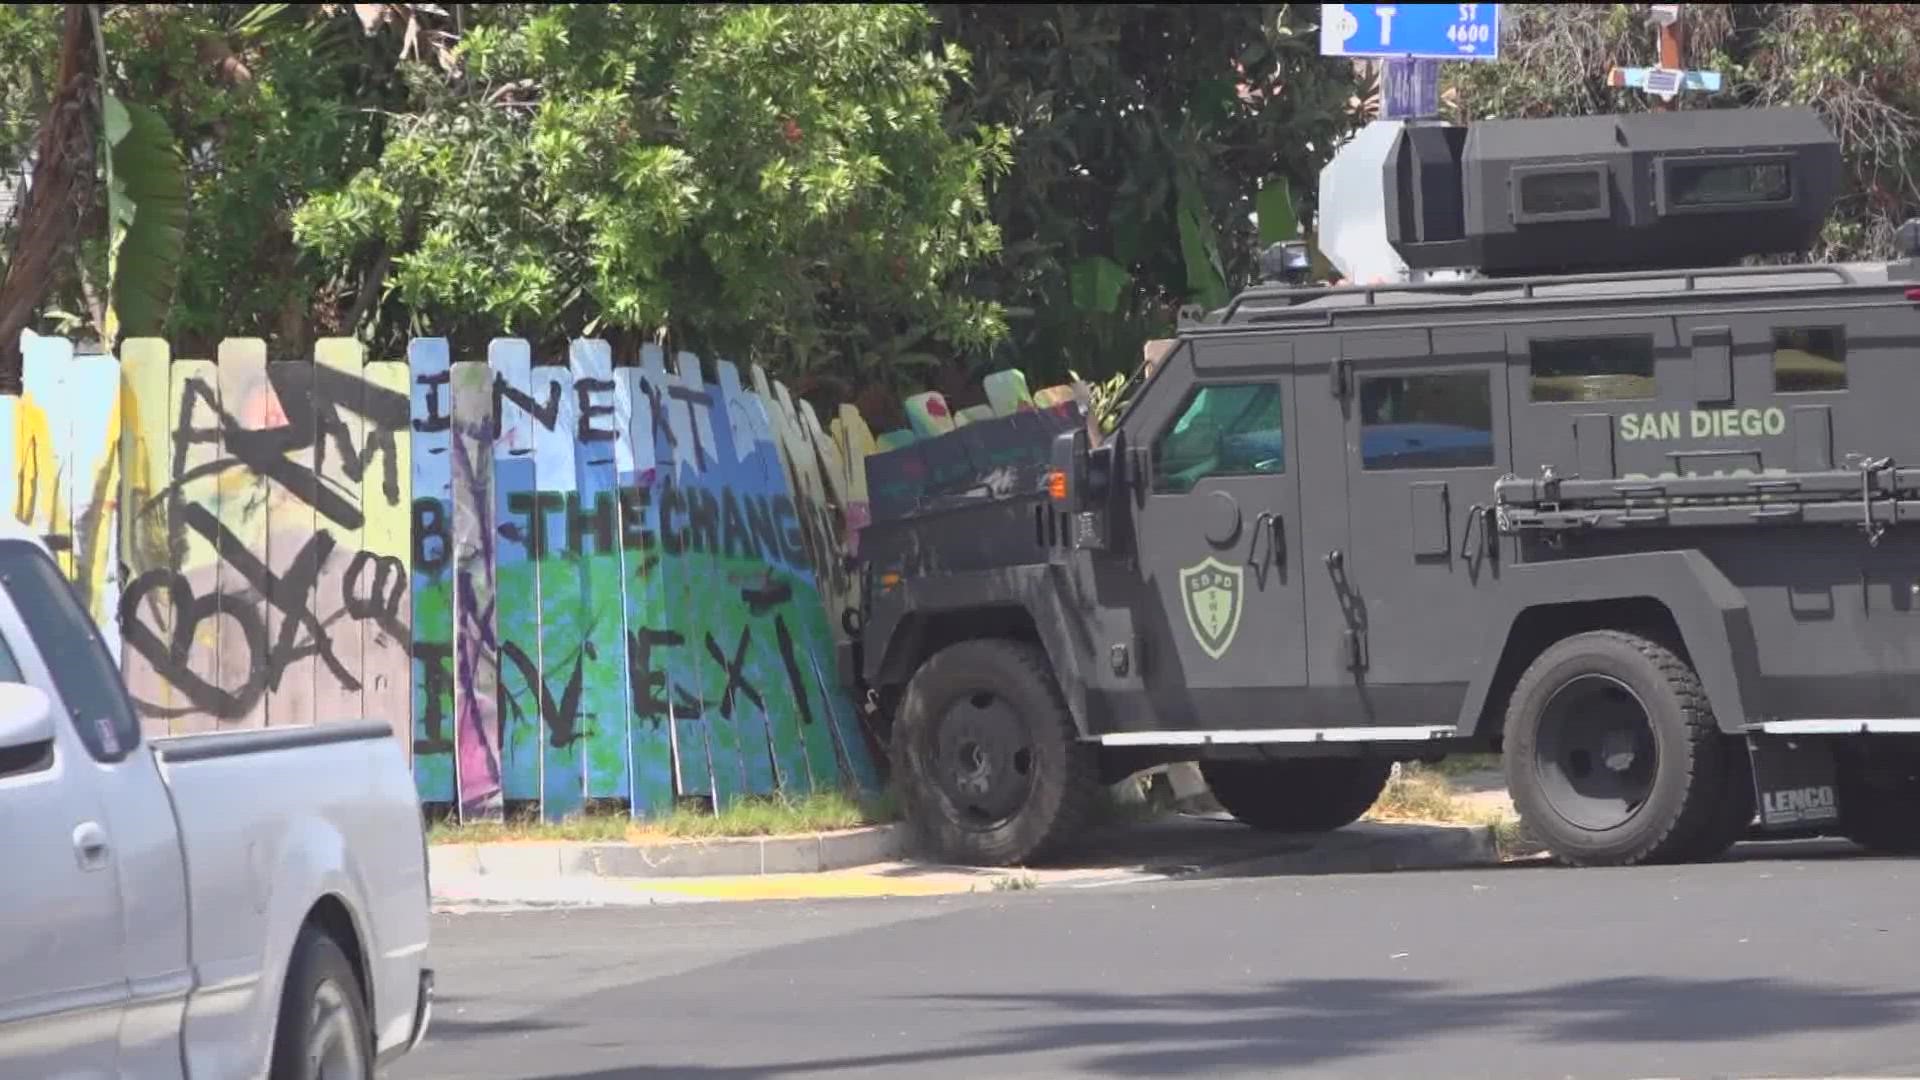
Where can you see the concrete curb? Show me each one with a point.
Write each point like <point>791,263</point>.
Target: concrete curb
<point>1363,848</point>
<point>809,854</point>
<point>550,878</point>
<point>1445,847</point>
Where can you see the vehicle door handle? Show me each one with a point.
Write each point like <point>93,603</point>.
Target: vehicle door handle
<point>1271,527</point>
<point>90,846</point>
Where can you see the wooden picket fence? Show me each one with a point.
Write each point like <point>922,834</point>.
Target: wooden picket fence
<point>560,579</point>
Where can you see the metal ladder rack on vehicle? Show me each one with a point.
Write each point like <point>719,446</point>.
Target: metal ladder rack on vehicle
<point>1874,495</point>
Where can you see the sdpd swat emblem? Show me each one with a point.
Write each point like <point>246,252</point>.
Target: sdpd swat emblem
<point>1211,592</point>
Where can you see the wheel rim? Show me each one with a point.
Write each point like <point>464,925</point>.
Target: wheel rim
<point>983,760</point>
<point>333,1047</point>
<point>1596,757</point>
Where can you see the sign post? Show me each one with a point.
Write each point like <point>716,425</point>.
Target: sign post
<point>1410,89</point>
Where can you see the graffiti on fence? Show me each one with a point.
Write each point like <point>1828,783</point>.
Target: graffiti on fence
<point>563,578</point>
<point>266,536</point>
<point>636,568</point>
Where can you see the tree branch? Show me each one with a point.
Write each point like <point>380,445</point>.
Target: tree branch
<point>372,282</point>
<point>62,186</point>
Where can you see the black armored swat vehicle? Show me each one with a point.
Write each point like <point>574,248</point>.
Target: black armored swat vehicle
<point>1644,521</point>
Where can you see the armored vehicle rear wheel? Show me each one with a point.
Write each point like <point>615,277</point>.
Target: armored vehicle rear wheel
<point>1306,795</point>
<point>1612,753</point>
<point>1880,802</point>
<point>989,767</point>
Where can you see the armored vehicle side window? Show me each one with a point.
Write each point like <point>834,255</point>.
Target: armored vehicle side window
<point>1592,368</point>
<point>1732,183</point>
<point>1808,359</point>
<point>1553,193</point>
<point>1227,429</point>
<point>1426,421</point>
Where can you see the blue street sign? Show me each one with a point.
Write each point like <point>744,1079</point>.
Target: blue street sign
<point>1430,31</point>
<point>1410,89</point>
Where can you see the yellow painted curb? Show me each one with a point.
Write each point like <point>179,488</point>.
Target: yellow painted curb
<point>811,886</point>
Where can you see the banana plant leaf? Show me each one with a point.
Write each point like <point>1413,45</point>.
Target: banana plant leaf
<point>1206,280</point>
<point>1278,221</point>
<point>147,215</point>
<point>1097,283</point>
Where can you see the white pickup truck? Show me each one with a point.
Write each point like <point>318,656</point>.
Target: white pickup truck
<point>241,904</point>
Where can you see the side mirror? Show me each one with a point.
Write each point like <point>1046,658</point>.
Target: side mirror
<point>1090,484</point>
<point>1121,477</point>
<point>1100,476</point>
<point>26,716</point>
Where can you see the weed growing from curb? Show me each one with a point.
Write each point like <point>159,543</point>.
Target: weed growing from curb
<point>1019,882</point>
<point>774,815</point>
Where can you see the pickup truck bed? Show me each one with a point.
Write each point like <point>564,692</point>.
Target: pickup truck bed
<point>193,906</point>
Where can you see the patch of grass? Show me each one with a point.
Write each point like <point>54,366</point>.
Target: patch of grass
<point>824,811</point>
<point>590,828</point>
<point>1422,793</point>
<point>1465,764</point>
<point>1425,794</point>
<point>1512,840</point>
<point>1019,882</point>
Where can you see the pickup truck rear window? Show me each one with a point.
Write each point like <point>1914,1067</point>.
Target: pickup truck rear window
<point>83,671</point>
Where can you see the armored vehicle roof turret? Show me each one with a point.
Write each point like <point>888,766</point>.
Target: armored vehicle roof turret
<point>1602,193</point>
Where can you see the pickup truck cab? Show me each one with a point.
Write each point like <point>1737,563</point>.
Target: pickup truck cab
<point>235,904</point>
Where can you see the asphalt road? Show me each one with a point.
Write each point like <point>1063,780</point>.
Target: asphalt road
<point>1801,964</point>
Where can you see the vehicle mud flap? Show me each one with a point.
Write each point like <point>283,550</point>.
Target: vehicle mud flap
<point>1795,784</point>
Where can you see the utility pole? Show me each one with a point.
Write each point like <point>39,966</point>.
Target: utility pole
<point>1673,44</point>
<point>1668,78</point>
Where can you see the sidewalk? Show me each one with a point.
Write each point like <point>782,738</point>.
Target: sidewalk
<point>873,863</point>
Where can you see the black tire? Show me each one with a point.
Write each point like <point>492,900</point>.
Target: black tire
<point>1301,796</point>
<point>1612,753</point>
<point>988,766</point>
<point>1880,802</point>
<point>323,1031</point>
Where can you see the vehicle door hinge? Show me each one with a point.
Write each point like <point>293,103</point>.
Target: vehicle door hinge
<point>1340,377</point>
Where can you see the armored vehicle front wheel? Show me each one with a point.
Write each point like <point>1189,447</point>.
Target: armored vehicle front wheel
<point>989,767</point>
<point>1304,795</point>
<point>1612,753</point>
